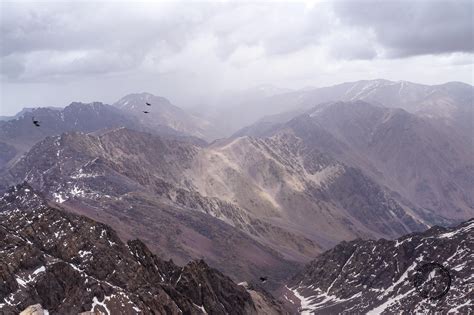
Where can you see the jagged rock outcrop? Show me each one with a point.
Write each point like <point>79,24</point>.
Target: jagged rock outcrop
<point>409,275</point>
<point>71,264</point>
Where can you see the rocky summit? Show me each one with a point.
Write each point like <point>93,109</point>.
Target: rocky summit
<point>422,273</point>
<point>62,263</point>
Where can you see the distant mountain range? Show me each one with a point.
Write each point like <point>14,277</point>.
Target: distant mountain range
<point>314,167</point>
<point>23,111</point>
<point>426,164</point>
<point>19,134</point>
<point>450,103</point>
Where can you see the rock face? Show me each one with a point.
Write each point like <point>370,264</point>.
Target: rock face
<point>71,264</point>
<point>388,277</point>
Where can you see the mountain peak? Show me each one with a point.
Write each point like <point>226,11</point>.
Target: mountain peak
<point>82,104</point>
<point>133,100</point>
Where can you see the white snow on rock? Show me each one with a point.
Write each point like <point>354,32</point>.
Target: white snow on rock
<point>96,302</point>
<point>381,308</point>
<point>40,269</point>
<point>462,230</point>
<point>58,198</point>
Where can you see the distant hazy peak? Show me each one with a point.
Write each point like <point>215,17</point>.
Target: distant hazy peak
<point>134,98</point>
<point>270,90</point>
<point>86,104</point>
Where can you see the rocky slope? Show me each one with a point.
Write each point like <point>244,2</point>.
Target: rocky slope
<point>71,264</point>
<point>430,272</point>
<point>131,180</point>
<point>247,205</point>
<point>425,164</point>
<point>301,188</point>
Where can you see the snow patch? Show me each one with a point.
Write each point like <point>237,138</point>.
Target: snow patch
<point>402,278</point>
<point>97,303</point>
<point>201,308</point>
<point>397,243</point>
<point>21,281</point>
<point>40,269</point>
<point>461,230</point>
<point>58,198</point>
<point>381,308</point>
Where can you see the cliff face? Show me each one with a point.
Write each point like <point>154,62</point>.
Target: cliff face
<point>71,264</point>
<point>419,273</point>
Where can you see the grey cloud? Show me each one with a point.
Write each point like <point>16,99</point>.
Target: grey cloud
<point>119,28</point>
<point>353,52</point>
<point>281,28</point>
<point>103,49</point>
<point>11,67</point>
<point>416,27</point>
<point>135,32</point>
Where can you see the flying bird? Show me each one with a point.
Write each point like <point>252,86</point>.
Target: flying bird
<point>35,122</point>
<point>146,112</point>
<point>263,279</point>
<point>148,103</point>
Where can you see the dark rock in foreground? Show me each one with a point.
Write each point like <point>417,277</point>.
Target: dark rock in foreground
<point>71,264</point>
<point>409,276</point>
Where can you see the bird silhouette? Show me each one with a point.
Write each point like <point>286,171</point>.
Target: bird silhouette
<point>263,279</point>
<point>35,122</point>
<point>146,112</point>
<point>148,103</point>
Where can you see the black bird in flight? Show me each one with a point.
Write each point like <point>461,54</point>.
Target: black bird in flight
<point>263,279</point>
<point>35,122</point>
<point>148,103</point>
<point>146,112</point>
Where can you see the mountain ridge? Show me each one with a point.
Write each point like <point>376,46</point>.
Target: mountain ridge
<point>136,180</point>
<point>76,264</point>
<point>427,164</point>
<point>379,276</point>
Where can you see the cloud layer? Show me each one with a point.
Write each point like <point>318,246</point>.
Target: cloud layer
<point>189,50</point>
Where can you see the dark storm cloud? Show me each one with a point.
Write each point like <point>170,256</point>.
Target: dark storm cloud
<point>407,28</point>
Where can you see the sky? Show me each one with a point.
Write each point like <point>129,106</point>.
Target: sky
<point>56,52</point>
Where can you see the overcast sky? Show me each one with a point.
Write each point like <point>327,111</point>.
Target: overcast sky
<point>53,53</point>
